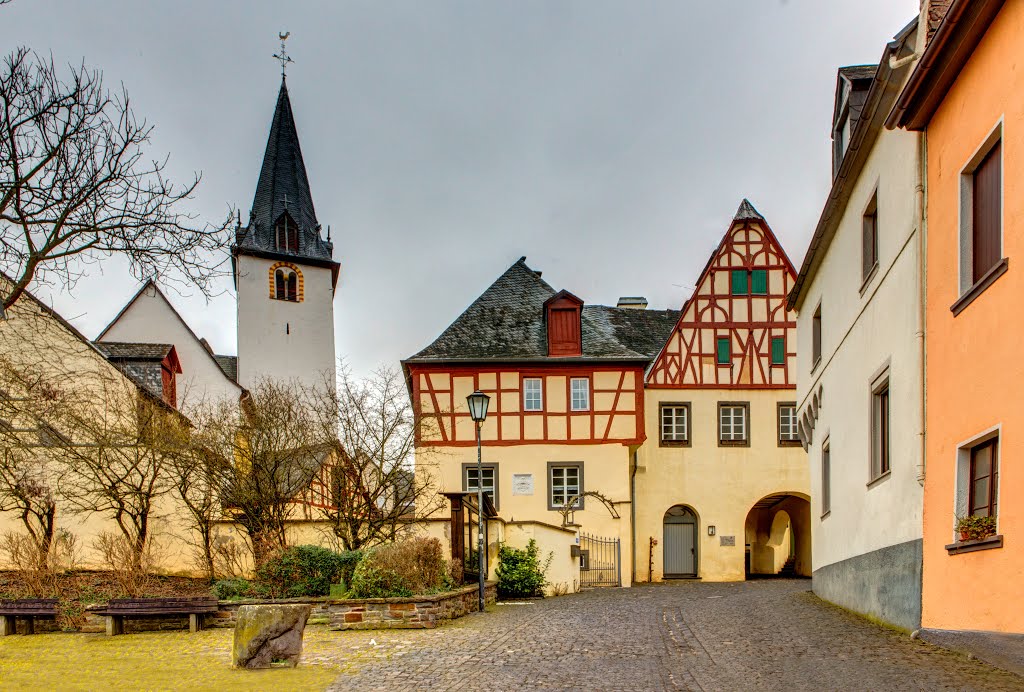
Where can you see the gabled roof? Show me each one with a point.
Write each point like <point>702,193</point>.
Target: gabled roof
<point>746,212</point>
<point>283,187</point>
<point>230,372</point>
<point>506,323</point>
<point>120,350</point>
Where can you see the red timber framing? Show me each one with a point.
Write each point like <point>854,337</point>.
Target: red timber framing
<point>615,413</point>
<point>748,321</point>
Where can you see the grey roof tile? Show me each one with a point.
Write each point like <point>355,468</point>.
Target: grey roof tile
<point>229,366</point>
<point>746,211</point>
<point>507,323</point>
<point>283,185</point>
<point>120,350</point>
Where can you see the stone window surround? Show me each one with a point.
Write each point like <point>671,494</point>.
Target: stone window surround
<point>662,442</point>
<point>564,464</point>
<point>970,289</point>
<point>745,442</point>
<point>778,424</point>
<point>879,381</point>
<point>962,493</point>
<point>466,467</point>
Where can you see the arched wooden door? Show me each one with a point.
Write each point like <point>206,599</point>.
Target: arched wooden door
<point>679,543</point>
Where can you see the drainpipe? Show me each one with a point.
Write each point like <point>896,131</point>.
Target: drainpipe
<point>922,246</point>
<point>632,519</point>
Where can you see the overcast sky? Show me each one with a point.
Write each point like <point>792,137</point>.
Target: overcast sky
<point>609,142</point>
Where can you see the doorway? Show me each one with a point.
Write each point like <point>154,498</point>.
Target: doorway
<point>679,543</point>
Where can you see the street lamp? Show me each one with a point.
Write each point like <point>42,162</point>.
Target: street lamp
<point>478,402</point>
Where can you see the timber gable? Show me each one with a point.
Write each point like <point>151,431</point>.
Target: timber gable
<point>735,331</point>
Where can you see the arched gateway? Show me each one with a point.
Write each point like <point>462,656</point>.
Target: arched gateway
<point>679,542</point>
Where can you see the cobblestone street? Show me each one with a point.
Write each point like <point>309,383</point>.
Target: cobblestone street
<point>758,635</point>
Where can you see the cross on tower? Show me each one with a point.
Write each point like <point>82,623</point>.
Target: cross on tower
<point>285,200</point>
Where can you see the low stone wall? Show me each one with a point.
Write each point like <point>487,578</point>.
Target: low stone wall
<point>417,612</point>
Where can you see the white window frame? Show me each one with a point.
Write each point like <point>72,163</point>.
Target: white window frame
<point>672,437</point>
<point>534,397</point>
<point>732,436</point>
<point>563,491</point>
<point>490,490</point>
<point>961,498</point>
<point>793,423</point>
<point>967,205</point>
<point>585,404</point>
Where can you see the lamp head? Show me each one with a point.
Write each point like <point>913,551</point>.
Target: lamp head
<point>478,402</point>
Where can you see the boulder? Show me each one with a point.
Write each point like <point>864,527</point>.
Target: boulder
<point>269,635</point>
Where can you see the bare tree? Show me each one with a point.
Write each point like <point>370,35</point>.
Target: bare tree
<point>77,184</point>
<point>117,457</point>
<point>269,446</point>
<point>374,492</point>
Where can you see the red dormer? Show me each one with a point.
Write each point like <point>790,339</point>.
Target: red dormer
<point>562,318</point>
<point>169,367</point>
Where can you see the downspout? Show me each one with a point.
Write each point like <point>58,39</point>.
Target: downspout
<point>921,193</point>
<point>632,519</point>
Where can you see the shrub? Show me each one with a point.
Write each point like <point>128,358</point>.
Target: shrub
<point>233,589</point>
<point>414,566</point>
<point>520,574</point>
<point>976,527</point>
<point>305,570</point>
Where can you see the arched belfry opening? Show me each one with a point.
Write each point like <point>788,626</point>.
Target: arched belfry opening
<point>679,546</point>
<point>286,233</point>
<point>778,536</point>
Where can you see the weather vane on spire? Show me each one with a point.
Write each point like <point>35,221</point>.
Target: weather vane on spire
<point>283,56</point>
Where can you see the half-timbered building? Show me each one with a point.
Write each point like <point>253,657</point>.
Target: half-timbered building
<point>626,428</point>
<point>721,484</point>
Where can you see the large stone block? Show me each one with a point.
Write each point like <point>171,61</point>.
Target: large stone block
<point>269,635</point>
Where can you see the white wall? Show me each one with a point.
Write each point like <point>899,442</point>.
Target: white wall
<point>281,339</point>
<point>861,333</point>
<point>151,319</point>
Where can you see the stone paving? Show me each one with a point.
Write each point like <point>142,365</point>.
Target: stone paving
<point>758,635</point>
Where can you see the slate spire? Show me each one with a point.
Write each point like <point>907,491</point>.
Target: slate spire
<point>283,187</point>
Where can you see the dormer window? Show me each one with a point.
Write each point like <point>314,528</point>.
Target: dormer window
<point>562,316</point>
<point>286,285</point>
<point>286,233</point>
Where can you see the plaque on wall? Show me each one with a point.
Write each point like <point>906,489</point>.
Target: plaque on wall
<point>727,540</point>
<point>522,484</point>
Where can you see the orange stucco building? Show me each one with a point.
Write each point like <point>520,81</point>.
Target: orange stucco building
<point>967,95</point>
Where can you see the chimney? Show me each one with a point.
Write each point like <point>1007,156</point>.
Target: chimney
<point>632,303</point>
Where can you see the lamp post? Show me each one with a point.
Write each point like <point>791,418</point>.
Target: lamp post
<point>478,402</point>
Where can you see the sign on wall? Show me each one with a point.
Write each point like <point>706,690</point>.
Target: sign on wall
<point>727,540</point>
<point>522,484</point>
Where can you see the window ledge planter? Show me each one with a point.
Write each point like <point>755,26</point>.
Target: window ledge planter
<point>988,543</point>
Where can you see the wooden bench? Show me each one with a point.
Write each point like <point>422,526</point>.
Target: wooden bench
<point>120,608</point>
<point>27,609</point>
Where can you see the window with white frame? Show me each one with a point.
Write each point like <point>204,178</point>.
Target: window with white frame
<point>580,390</point>
<point>489,474</point>
<point>977,482</point>
<point>733,424</point>
<point>533,394</point>
<point>675,424</point>
<point>789,433</point>
<point>565,481</point>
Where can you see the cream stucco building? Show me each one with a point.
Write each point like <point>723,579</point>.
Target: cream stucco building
<point>629,437</point>
<point>860,352</point>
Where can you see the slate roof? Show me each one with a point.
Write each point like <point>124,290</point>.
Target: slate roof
<point>506,323</point>
<point>140,362</point>
<point>229,366</point>
<point>118,350</point>
<point>746,212</point>
<point>283,177</point>
<point>855,72</point>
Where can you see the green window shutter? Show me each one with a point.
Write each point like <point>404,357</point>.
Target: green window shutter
<point>723,350</point>
<point>759,282</point>
<point>739,282</point>
<point>778,350</point>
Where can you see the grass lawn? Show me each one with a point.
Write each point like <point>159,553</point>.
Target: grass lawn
<point>154,661</point>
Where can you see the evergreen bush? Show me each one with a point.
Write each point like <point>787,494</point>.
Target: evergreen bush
<point>520,573</point>
<point>305,570</point>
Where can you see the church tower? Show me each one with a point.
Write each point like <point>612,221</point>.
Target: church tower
<point>285,273</point>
